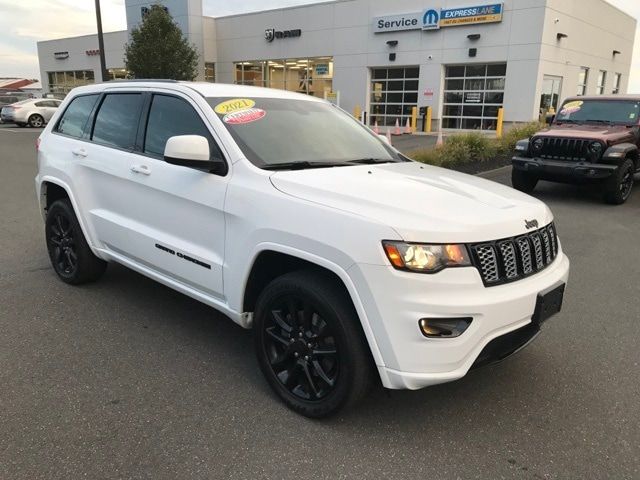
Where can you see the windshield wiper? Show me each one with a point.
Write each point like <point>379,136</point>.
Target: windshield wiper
<point>371,161</point>
<point>608,122</point>
<point>304,165</point>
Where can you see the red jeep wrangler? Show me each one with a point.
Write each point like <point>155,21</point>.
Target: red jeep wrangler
<point>591,139</point>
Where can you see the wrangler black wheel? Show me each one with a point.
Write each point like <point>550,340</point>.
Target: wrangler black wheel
<point>70,255</point>
<point>310,345</point>
<point>619,186</point>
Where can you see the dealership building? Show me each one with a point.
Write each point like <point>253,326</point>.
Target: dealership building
<point>464,59</point>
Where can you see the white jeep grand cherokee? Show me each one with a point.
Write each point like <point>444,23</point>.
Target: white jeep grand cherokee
<point>290,217</point>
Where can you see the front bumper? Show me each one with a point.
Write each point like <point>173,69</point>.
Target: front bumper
<point>394,302</point>
<point>559,169</point>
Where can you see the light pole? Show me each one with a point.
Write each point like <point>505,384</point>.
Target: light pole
<point>103,67</point>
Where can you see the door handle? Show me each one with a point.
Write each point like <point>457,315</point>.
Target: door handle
<point>79,152</point>
<point>143,169</point>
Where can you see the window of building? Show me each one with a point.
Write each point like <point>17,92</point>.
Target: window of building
<point>76,115</point>
<point>583,80</point>
<point>118,74</point>
<point>473,94</point>
<point>64,82</point>
<point>602,82</point>
<point>617,82</point>
<point>209,72</point>
<point>394,92</point>
<point>171,116</point>
<point>312,76</point>
<point>117,120</point>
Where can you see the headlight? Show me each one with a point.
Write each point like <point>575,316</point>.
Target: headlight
<point>425,258</point>
<point>538,143</point>
<point>595,148</point>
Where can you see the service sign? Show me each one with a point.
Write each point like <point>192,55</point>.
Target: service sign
<point>396,23</point>
<point>434,19</point>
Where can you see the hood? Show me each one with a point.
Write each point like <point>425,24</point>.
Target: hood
<point>606,133</point>
<point>421,203</point>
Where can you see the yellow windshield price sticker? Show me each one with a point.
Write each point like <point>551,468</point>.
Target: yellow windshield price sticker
<point>574,104</point>
<point>234,105</point>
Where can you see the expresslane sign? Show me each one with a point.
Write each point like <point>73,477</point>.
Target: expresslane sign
<point>433,19</point>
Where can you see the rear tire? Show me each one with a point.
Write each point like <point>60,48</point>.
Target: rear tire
<point>619,186</point>
<point>36,121</point>
<point>70,255</point>
<point>310,345</point>
<point>523,181</point>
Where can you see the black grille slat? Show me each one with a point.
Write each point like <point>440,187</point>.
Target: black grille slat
<point>511,259</point>
<point>568,149</point>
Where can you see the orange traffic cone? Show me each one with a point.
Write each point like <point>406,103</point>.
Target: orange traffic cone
<point>389,135</point>
<point>376,130</point>
<point>396,130</point>
<point>407,128</point>
<point>440,140</point>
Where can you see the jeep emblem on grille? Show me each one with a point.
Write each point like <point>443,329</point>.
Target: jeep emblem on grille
<point>531,224</point>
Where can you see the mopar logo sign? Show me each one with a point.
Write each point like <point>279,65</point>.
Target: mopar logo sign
<point>434,18</point>
<point>430,20</point>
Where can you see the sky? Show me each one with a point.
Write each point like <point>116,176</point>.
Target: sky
<point>25,22</point>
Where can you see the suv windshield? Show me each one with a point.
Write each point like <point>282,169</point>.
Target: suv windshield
<point>600,111</point>
<point>283,133</point>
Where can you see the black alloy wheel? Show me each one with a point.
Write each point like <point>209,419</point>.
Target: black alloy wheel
<point>301,349</point>
<point>626,184</point>
<point>310,345</point>
<point>619,186</point>
<point>63,247</point>
<point>70,254</point>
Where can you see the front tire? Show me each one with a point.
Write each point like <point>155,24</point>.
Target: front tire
<point>36,121</point>
<point>523,181</point>
<point>619,186</point>
<point>70,255</point>
<point>310,345</point>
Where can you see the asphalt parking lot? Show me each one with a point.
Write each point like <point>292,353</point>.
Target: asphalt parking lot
<point>126,378</point>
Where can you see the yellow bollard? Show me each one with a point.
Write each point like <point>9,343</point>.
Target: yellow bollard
<point>414,119</point>
<point>357,111</point>
<point>500,122</point>
<point>427,123</point>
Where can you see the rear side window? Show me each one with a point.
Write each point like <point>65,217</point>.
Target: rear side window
<point>117,120</point>
<point>42,104</point>
<point>76,115</point>
<point>171,116</point>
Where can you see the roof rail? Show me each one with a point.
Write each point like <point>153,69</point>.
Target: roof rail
<point>135,80</point>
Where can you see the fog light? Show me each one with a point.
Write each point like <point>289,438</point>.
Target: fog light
<point>444,327</point>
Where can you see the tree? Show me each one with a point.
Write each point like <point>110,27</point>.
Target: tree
<point>159,49</point>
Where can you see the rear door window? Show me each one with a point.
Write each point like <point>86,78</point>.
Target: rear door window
<point>170,116</point>
<point>117,120</point>
<point>76,115</point>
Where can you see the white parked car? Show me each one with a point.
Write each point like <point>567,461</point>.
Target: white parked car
<point>348,260</point>
<point>34,112</point>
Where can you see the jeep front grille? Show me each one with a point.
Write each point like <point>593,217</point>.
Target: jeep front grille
<point>568,149</point>
<point>512,259</point>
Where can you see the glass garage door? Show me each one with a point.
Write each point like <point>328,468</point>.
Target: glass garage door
<point>472,96</point>
<point>394,91</point>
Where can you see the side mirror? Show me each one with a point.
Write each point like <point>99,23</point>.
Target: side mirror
<point>549,119</point>
<point>384,139</point>
<point>190,151</point>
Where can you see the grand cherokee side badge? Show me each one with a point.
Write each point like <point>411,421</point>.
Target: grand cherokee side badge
<point>530,224</point>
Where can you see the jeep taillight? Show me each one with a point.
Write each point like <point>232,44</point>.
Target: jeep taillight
<point>37,144</point>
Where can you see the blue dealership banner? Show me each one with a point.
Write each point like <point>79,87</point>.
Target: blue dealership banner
<point>470,15</point>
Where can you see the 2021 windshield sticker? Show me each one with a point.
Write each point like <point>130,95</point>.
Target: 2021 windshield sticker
<point>233,105</point>
<point>571,107</point>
